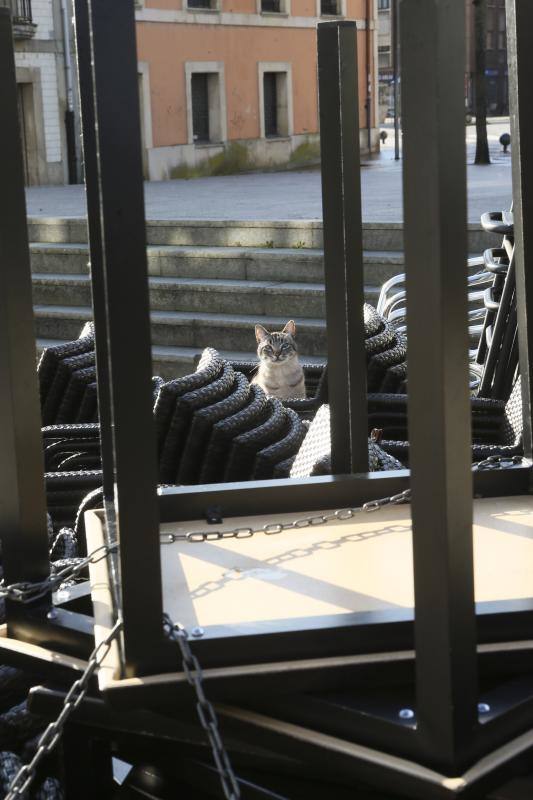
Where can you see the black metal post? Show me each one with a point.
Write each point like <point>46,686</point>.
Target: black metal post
<point>343,244</point>
<point>395,69</point>
<point>433,54</point>
<point>124,267</point>
<point>86,90</point>
<point>520,61</point>
<point>22,495</point>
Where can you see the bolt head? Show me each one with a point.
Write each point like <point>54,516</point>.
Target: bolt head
<point>406,713</point>
<point>483,708</point>
<point>197,632</point>
<point>52,614</point>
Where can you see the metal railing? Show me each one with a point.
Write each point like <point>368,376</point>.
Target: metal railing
<point>20,10</point>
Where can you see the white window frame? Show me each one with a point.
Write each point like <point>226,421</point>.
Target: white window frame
<point>143,69</point>
<point>218,121</point>
<point>275,66</point>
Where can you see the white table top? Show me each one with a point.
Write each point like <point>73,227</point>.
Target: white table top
<point>364,564</point>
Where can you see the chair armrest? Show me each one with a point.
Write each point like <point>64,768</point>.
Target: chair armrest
<point>85,430</point>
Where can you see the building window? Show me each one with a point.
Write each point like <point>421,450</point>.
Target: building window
<point>202,5</point>
<point>20,11</point>
<point>275,104</point>
<point>329,8</point>
<point>384,53</point>
<point>270,99</point>
<point>275,99</point>
<point>206,107</point>
<point>273,6</point>
<point>383,5</point>
<point>200,107</point>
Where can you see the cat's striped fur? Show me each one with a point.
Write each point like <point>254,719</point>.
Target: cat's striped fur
<point>280,373</point>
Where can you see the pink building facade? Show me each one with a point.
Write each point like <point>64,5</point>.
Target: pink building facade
<point>231,85</point>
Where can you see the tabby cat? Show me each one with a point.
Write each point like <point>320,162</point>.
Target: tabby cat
<point>280,373</point>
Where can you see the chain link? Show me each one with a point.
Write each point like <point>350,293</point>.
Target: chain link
<point>341,514</point>
<point>52,734</point>
<point>206,713</point>
<point>273,528</point>
<point>26,592</point>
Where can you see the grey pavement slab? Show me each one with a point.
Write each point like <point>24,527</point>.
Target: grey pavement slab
<point>291,195</point>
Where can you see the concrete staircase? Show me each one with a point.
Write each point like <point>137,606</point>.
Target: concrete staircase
<point>210,283</point>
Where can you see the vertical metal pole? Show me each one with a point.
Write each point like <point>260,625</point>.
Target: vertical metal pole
<point>433,47</point>
<point>520,61</point>
<point>22,493</point>
<point>85,81</point>
<point>343,244</point>
<point>122,221</point>
<point>394,36</point>
<point>368,59</point>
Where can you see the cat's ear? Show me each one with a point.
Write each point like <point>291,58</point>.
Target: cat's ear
<point>261,333</point>
<point>290,328</point>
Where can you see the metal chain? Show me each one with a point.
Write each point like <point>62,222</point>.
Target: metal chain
<point>26,592</point>
<point>204,709</point>
<point>52,734</point>
<point>273,528</point>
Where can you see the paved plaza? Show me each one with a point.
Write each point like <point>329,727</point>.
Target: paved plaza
<point>293,194</point>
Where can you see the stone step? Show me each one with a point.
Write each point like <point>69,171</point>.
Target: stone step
<point>173,362</point>
<point>186,294</point>
<point>229,332</point>
<point>294,234</point>
<point>232,263</point>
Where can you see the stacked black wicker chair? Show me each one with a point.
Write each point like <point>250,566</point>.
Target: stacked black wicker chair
<point>202,436</point>
<point>225,431</point>
<point>497,354</point>
<point>88,408</point>
<point>496,429</point>
<point>71,445</point>
<point>388,412</point>
<point>242,453</point>
<point>243,409</point>
<point>495,223</point>
<point>314,456</point>
<point>268,458</point>
<point>55,368</point>
<point>211,426</point>
<point>66,490</point>
<point>201,426</point>
<point>174,439</point>
<point>69,409</point>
